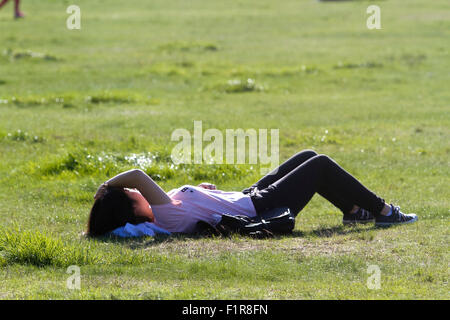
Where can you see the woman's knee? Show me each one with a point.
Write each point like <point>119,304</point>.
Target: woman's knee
<point>308,153</point>
<point>322,159</point>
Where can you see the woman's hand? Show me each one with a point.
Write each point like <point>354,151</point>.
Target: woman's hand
<point>206,185</point>
<point>101,191</point>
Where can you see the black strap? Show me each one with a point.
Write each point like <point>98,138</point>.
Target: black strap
<point>267,224</point>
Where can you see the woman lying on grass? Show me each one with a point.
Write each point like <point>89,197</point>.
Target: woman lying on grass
<point>133,197</point>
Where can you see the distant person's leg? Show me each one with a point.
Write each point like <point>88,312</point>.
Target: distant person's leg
<point>17,12</point>
<point>3,3</point>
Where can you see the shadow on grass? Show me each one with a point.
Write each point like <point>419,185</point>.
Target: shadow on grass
<point>328,232</point>
<point>323,232</point>
<point>140,242</point>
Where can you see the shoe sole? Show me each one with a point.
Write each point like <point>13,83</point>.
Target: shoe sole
<point>347,222</point>
<point>386,224</point>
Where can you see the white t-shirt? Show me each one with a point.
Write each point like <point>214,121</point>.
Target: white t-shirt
<point>191,204</point>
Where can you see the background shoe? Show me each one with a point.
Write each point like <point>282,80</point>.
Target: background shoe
<point>360,216</point>
<point>397,217</point>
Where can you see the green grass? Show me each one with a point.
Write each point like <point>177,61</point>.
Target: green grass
<point>79,106</point>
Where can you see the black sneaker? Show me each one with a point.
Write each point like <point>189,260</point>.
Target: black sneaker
<point>360,216</point>
<point>397,217</point>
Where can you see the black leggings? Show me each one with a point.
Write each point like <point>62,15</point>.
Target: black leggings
<point>294,183</point>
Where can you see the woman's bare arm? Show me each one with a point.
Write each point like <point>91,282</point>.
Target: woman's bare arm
<point>140,180</point>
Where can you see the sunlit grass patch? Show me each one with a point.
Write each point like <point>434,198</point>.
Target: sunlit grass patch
<point>350,65</point>
<point>71,99</point>
<point>243,74</point>
<point>111,97</point>
<point>120,97</point>
<point>24,136</point>
<point>317,138</point>
<point>413,59</point>
<point>240,86</point>
<point>158,165</point>
<point>80,162</point>
<point>15,55</point>
<point>291,71</point>
<point>188,46</point>
<point>165,70</point>
<point>34,100</point>
<point>40,249</point>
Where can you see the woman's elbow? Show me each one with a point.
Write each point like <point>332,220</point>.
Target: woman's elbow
<point>135,174</point>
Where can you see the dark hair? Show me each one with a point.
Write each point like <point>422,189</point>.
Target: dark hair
<point>113,210</point>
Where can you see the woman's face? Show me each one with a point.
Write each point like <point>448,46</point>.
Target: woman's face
<point>141,206</point>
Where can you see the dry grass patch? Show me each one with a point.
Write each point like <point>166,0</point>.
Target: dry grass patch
<point>204,248</point>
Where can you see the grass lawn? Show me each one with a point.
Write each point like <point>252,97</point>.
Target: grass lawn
<point>78,106</point>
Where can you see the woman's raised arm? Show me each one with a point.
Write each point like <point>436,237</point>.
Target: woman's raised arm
<point>138,179</point>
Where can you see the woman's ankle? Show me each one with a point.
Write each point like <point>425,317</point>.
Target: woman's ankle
<point>386,210</point>
<point>354,209</point>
